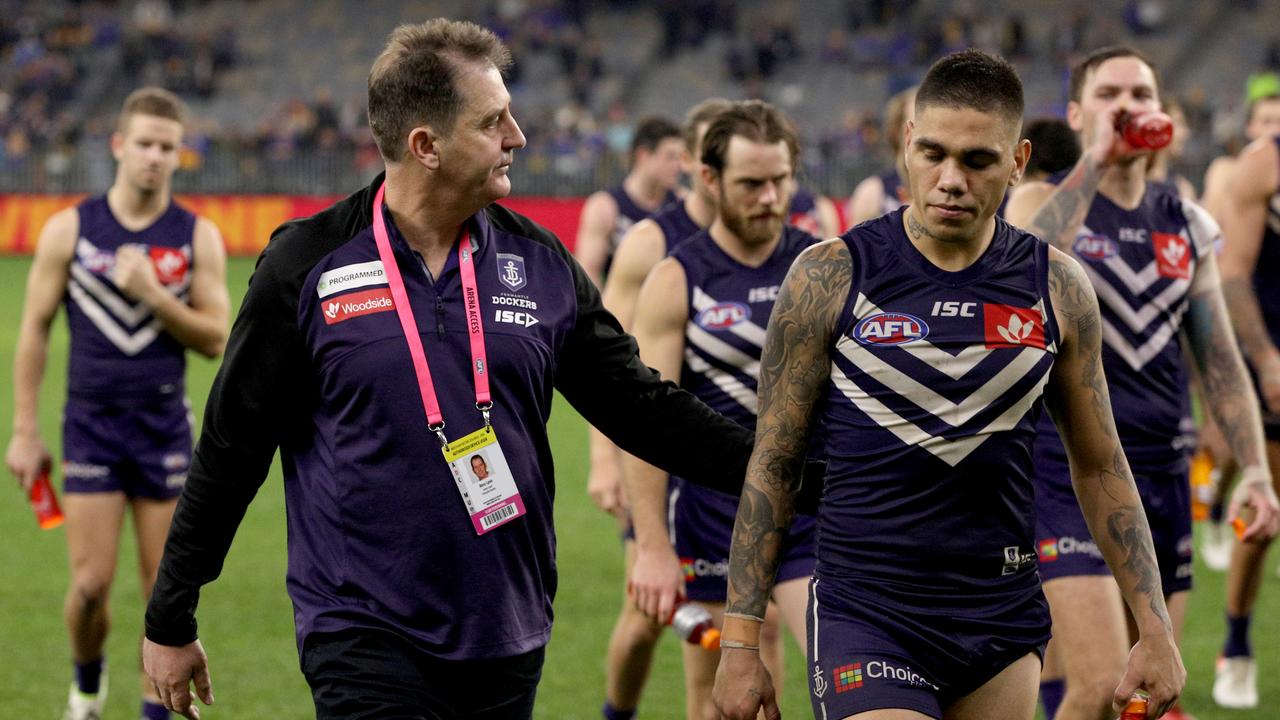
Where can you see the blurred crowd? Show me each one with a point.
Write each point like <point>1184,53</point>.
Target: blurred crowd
<point>48,111</point>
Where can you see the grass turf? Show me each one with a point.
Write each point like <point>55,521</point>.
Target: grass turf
<point>246,622</point>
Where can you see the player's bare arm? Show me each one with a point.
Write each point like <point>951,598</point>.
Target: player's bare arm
<point>867,201</point>
<point>599,213</point>
<point>46,284</point>
<point>640,249</point>
<point>793,370</point>
<point>1081,406</point>
<point>1230,398</point>
<point>661,315</point>
<point>1244,216</point>
<point>200,325</point>
<point>1055,213</point>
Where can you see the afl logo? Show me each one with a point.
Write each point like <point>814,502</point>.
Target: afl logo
<point>889,328</point>
<point>1095,247</point>
<point>722,316</point>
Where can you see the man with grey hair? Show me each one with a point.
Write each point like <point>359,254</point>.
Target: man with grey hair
<point>416,319</point>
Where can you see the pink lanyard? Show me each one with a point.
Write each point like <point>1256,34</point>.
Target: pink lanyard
<point>475,326</point>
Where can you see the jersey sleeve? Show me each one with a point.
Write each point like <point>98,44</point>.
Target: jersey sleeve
<point>1206,235</point>
<point>255,397</point>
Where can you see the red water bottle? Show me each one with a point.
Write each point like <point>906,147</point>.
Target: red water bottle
<point>44,501</point>
<point>1137,707</point>
<point>1149,130</point>
<point>694,625</point>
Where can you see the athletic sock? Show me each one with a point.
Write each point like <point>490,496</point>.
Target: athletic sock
<point>612,713</point>
<point>89,676</point>
<point>1051,692</point>
<point>1217,511</point>
<point>154,711</point>
<point>1237,644</point>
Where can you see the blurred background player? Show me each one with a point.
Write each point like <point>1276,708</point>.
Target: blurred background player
<point>700,320</point>
<point>1262,118</point>
<point>1251,285</point>
<point>1054,148</point>
<point>647,242</point>
<point>886,191</point>
<point>650,184</point>
<point>142,280</point>
<point>813,213</point>
<point>1149,256</point>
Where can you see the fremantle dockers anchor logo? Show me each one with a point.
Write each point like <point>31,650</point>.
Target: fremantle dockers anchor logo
<point>511,271</point>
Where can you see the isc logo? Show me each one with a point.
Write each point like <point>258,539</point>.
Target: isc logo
<point>512,317</point>
<point>888,328</point>
<point>1094,247</point>
<point>723,315</point>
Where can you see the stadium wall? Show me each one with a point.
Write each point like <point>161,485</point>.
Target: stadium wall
<point>246,221</point>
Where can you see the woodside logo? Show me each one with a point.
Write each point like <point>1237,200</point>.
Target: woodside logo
<point>366,302</point>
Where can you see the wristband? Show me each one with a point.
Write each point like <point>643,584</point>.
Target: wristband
<point>744,616</point>
<point>735,645</point>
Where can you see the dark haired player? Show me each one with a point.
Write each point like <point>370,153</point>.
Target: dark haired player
<point>927,345</point>
<point>1148,256</point>
<point>650,184</point>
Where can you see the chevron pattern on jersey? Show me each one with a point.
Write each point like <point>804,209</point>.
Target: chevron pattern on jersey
<point>129,325</point>
<point>732,368</point>
<point>945,403</point>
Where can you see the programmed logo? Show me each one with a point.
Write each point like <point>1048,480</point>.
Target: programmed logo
<point>1095,247</point>
<point>890,328</point>
<point>723,316</point>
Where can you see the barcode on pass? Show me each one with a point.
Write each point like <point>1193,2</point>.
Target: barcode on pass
<point>497,516</point>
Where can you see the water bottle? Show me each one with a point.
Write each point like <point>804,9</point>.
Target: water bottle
<point>1137,707</point>
<point>1150,130</point>
<point>694,625</point>
<point>45,502</point>
<point>1203,485</point>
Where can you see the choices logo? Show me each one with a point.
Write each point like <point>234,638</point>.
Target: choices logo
<point>1048,550</point>
<point>366,302</point>
<point>847,677</point>
<point>698,567</point>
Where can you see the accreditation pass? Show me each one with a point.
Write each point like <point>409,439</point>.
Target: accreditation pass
<point>484,480</point>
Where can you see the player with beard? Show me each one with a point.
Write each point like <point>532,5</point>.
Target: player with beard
<point>700,320</point>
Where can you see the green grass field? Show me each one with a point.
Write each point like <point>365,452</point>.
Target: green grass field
<point>246,621</point>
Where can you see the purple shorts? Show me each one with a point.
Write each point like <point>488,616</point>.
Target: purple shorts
<point>1065,547</point>
<point>140,448</point>
<point>869,651</point>
<point>701,523</point>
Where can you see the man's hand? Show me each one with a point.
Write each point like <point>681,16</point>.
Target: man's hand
<point>1255,491</point>
<point>743,686</point>
<point>26,457</point>
<point>1108,146</point>
<point>173,669</point>
<point>134,274</point>
<point>1156,667</point>
<point>656,581</point>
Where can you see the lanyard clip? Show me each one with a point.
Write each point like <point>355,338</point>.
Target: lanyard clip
<point>484,409</point>
<point>438,429</point>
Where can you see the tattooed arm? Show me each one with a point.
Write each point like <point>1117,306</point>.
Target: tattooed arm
<point>1081,407</point>
<point>1229,397</point>
<point>793,370</point>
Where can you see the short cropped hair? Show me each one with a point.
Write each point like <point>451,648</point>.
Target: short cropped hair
<point>972,79</point>
<point>154,101</point>
<point>701,114</point>
<point>414,80</point>
<point>1087,64</point>
<point>755,120</point>
<point>651,131</point>
<point>1054,145</point>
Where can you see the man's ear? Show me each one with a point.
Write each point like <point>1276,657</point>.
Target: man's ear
<point>424,147</point>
